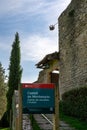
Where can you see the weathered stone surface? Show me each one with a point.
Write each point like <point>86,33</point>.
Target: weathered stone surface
<point>73,46</point>
<point>26,122</point>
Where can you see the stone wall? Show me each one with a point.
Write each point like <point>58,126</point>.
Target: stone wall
<point>73,46</point>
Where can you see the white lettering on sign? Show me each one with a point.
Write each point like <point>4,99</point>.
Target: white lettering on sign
<point>32,93</point>
<point>34,97</point>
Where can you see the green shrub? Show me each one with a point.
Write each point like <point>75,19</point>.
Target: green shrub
<point>74,103</point>
<point>34,123</point>
<point>3,122</point>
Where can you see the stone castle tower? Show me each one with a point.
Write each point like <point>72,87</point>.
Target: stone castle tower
<point>73,46</point>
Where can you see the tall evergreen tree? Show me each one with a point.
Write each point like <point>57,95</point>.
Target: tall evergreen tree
<point>2,91</point>
<point>15,71</point>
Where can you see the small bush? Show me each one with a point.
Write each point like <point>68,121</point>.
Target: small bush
<point>75,103</point>
<point>4,123</point>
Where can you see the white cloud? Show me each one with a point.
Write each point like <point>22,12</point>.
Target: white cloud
<point>29,8</point>
<point>29,79</point>
<point>21,6</point>
<point>36,47</point>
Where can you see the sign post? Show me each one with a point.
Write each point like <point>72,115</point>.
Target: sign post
<point>39,98</point>
<point>55,80</point>
<point>56,115</point>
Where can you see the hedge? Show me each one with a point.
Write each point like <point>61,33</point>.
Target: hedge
<point>74,103</point>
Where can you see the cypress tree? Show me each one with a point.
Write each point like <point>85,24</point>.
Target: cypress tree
<point>15,72</point>
<point>2,91</point>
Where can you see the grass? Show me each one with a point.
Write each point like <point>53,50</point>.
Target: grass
<point>5,129</point>
<point>34,123</point>
<point>76,123</point>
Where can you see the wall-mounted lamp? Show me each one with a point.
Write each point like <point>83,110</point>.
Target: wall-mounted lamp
<point>52,27</point>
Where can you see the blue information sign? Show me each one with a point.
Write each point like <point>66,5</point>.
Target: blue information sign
<point>38,98</point>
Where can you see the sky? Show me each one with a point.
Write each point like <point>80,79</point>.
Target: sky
<point>31,19</point>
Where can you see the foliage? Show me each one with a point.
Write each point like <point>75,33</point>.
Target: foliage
<point>4,123</point>
<point>34,123</point>
<point>75,103</point>
<point>73,122</point>
<point>15,72</point>
<point>2,91</point>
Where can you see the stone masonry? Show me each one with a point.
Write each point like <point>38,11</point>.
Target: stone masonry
<point>73,46</point>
